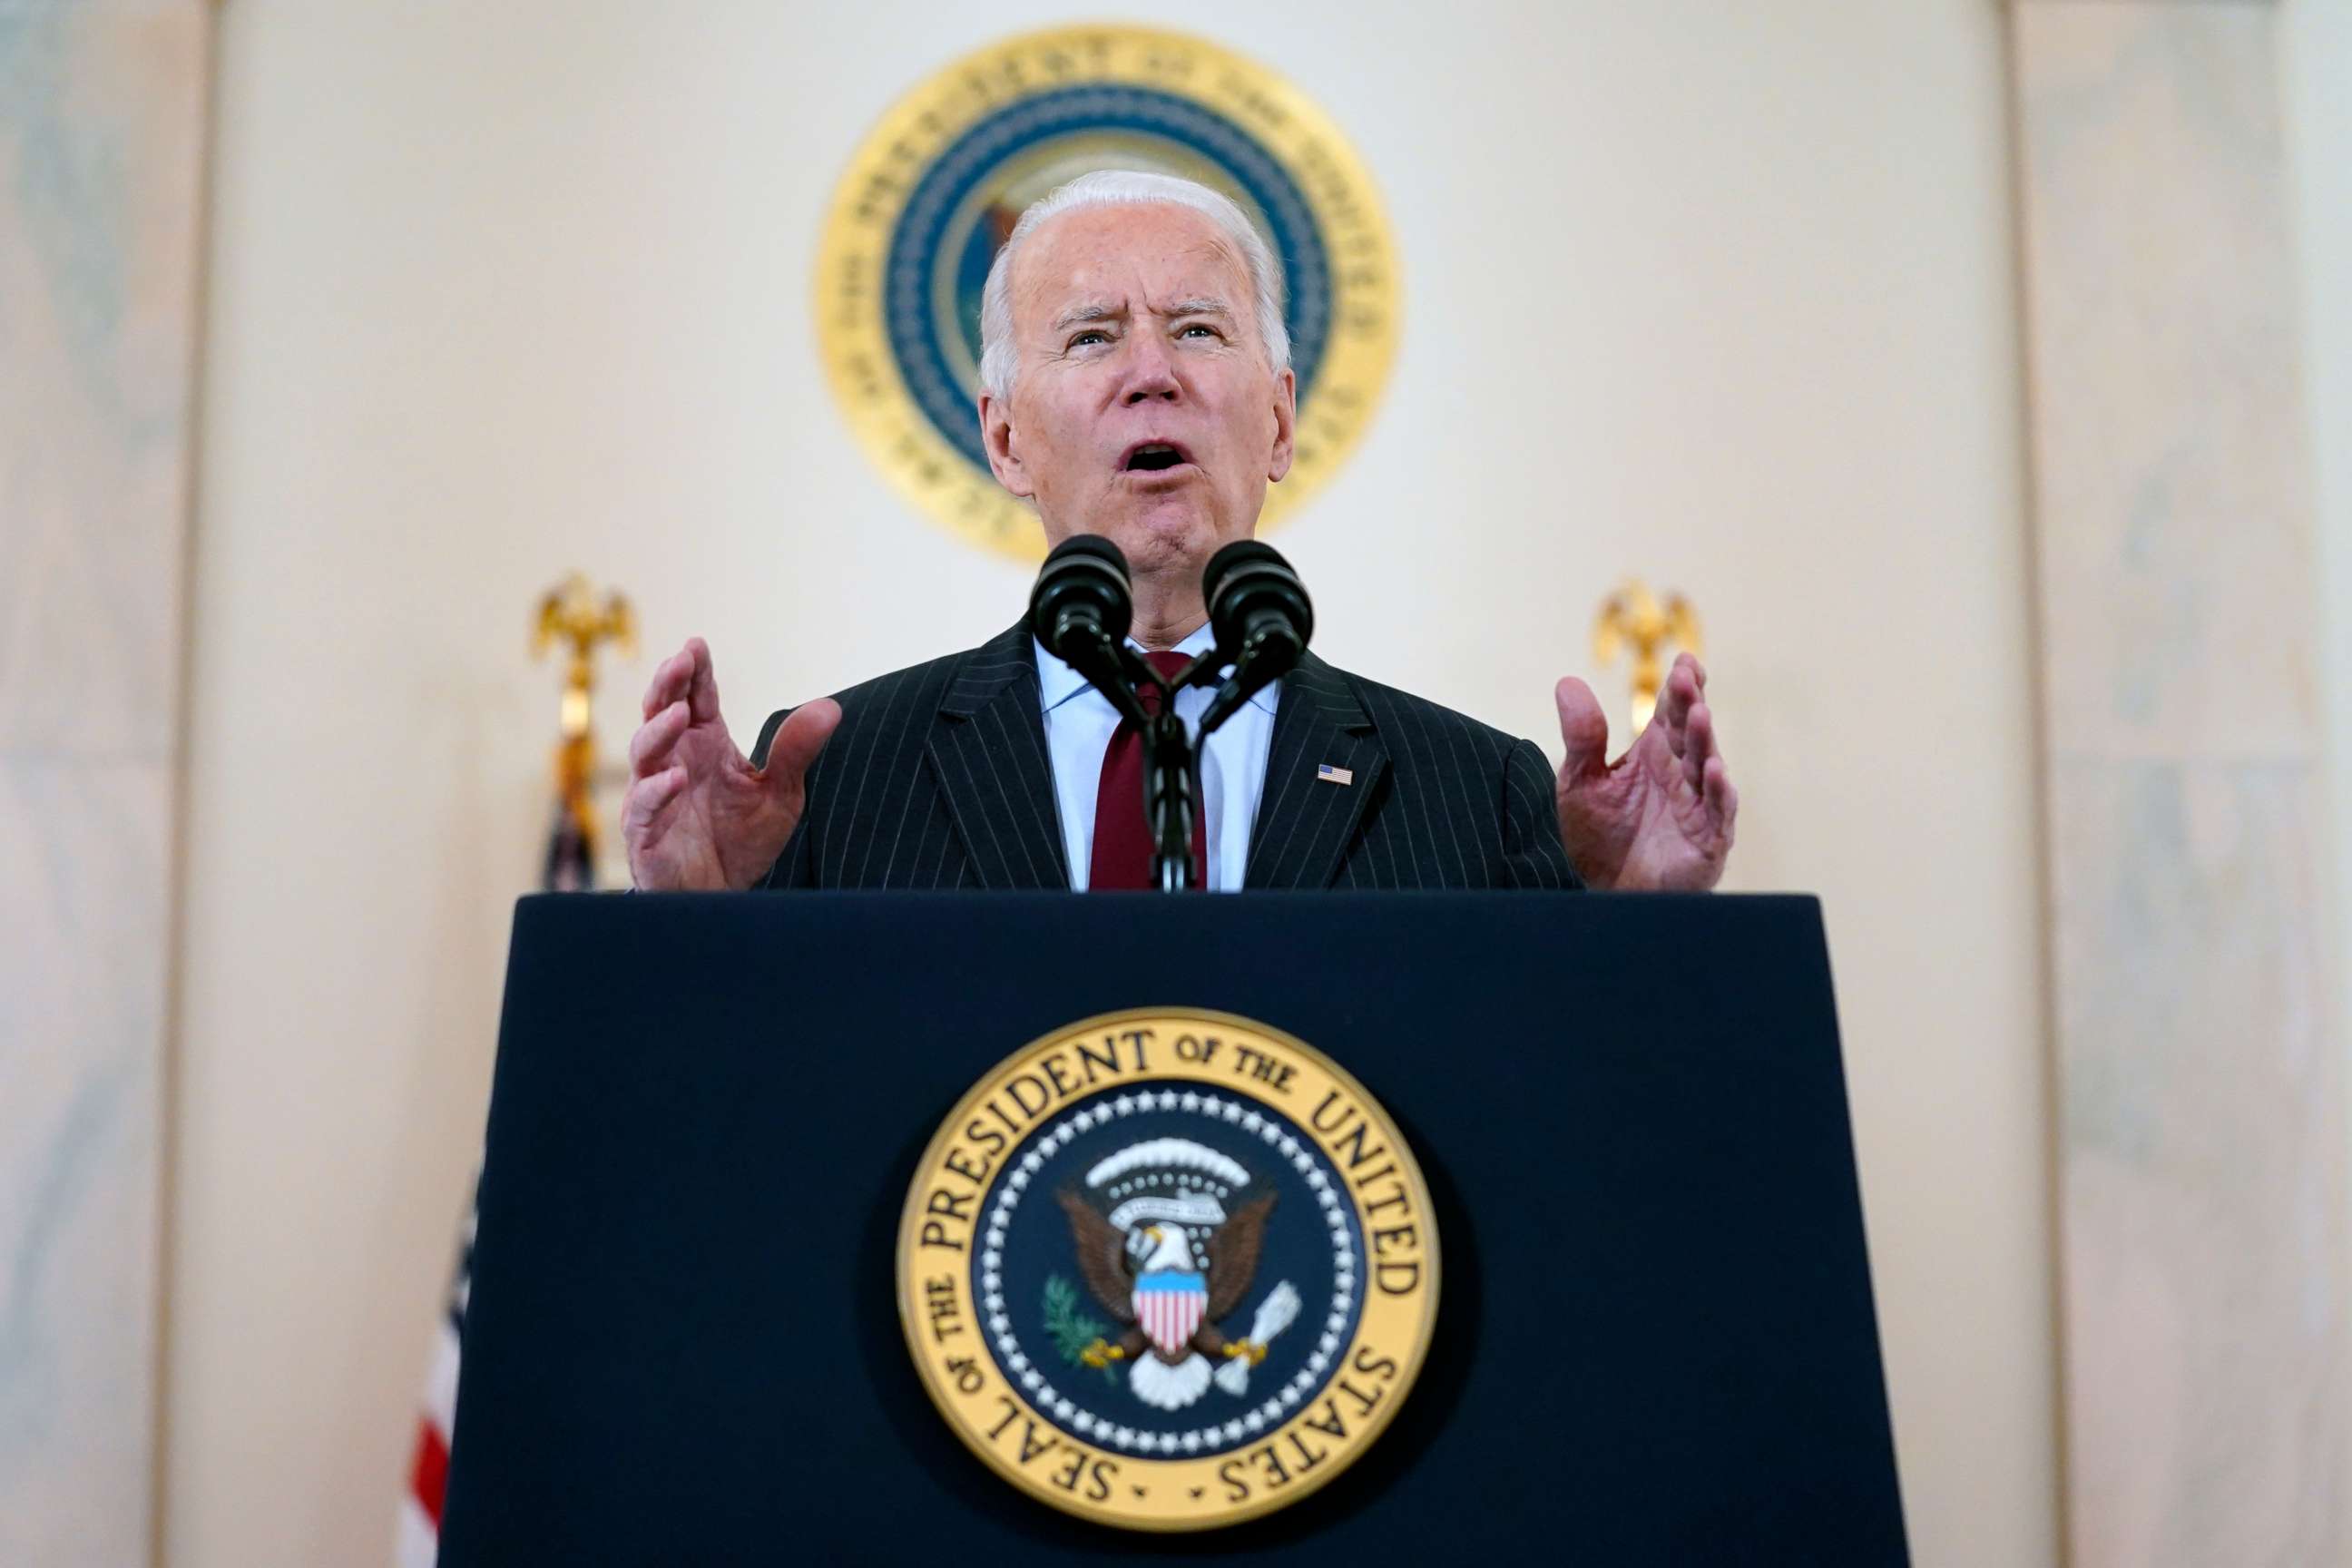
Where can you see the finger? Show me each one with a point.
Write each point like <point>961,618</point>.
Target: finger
<point>1722,798</point>
<point>804,735</point>
<point>647,795</point>
<point>703,698</point>
<point>1698,671</point>
<point>1583,729</point>
<point>649,748</point>
<point>1674,700</point>
<point>1698,745</point>
<point>669,682</point>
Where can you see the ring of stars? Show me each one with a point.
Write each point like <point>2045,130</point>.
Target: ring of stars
<point>1271,1131</point>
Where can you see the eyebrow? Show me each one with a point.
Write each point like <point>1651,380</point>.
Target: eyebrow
<point>1096,311</point>
<point>1102,310</point>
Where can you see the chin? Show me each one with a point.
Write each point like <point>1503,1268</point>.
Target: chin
<point>1165,536</point>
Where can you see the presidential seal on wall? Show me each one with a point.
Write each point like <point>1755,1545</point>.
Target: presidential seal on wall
<point>1168,1269</point>
<point>932,193</point>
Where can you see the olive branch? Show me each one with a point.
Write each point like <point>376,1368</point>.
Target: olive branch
<point>1070,1329</point>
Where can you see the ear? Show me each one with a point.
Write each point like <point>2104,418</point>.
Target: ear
<point>1286,421</point>
<point>1003,454</point>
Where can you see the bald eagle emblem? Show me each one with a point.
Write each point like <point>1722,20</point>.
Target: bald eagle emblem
<point>1164,1255</point>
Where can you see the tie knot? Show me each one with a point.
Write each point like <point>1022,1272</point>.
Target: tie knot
<point>1165,662</point>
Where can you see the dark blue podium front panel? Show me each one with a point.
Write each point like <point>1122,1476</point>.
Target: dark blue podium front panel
<point>1656,1340</point>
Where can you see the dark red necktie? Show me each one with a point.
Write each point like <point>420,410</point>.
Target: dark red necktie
<point>1122,857</point>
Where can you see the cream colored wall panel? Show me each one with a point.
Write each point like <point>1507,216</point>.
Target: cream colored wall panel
<point>83,898</point>
<point>2200,1123</point>
<point>100,113</point>
<point>2317,59</point>
<point>101,120</point>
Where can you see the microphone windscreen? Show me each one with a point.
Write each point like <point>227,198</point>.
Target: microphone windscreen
<point>1247,584</point>
<point>1084,579</point>
<point>1240,552</point>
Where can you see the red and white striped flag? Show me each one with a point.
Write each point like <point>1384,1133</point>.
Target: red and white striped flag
<point>419,1542</point>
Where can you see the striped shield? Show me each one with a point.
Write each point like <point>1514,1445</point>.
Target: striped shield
<point>1167,1307</point>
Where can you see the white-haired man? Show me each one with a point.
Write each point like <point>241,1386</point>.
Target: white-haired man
<point>1135,384</point>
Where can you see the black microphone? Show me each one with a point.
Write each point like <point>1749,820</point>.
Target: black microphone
<point>1080,611</point>
<point>1262,617</point>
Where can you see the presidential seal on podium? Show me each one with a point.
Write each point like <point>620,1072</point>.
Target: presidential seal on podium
<point>1168,1269</point>
<point>932,193</point>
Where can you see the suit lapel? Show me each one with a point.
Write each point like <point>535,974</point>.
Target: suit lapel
<point>988,752</point>
<point>1305,821</point>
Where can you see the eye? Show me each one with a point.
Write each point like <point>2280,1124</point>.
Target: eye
<point>1199,327</point>
<point>1091,335</point>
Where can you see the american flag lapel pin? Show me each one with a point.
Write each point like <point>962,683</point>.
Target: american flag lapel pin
<point>1330,775</point>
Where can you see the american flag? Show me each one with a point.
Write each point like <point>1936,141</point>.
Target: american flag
<point>419,1542</point>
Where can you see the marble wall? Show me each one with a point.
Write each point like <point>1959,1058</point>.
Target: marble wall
<point>103,109</point>
<point>2199,1122</point>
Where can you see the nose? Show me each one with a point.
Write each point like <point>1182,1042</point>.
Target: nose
<point>1151,372</point>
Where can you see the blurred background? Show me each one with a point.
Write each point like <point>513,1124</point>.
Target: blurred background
<point>1982,372</point>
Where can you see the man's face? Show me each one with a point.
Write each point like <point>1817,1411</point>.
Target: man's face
<point>1144,407</point>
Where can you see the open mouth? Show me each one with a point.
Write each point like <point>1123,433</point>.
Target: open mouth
<point>1154,457</point>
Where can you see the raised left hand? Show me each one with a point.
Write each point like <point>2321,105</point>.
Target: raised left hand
<point>1659,817</point>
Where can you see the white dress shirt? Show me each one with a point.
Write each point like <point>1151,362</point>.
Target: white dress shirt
<point>1079,725</point>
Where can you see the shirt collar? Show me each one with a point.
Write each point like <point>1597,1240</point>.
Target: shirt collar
<point>1057,683</point>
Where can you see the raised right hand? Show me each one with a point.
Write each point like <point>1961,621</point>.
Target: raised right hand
<point>699,816</point>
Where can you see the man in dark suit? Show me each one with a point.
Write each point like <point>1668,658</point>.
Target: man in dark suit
<point>1135,384</point>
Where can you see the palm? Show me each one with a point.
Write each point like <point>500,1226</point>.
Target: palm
<point>729,827</point>
<point>1661,816</point>
<point>698,814</point>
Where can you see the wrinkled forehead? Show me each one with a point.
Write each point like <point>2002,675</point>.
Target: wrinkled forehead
<point>1137,256</point>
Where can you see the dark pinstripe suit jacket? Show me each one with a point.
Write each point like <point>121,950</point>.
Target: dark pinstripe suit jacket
<point>939,777</point>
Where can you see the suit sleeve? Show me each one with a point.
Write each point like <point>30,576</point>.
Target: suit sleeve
<point>1531,846</point>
